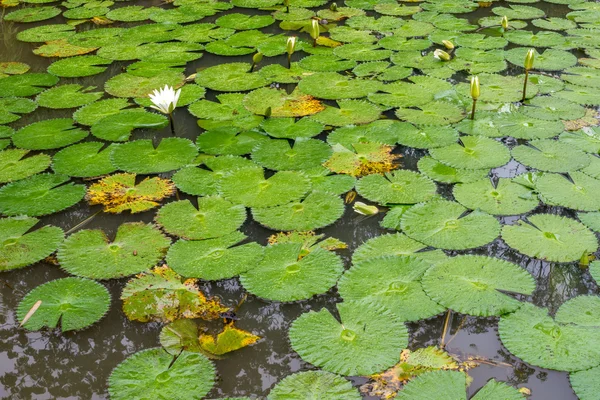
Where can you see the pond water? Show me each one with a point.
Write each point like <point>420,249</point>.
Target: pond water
<point>49,364</point>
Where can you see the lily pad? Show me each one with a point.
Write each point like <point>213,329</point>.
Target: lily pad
<point>156,373</point>
<point>74,303</point>
<point>84,160</point>
<point>285,274</point>
<point>316,385</point>
<point>549,60</point>
<point>118,127</point>
<point>391,282</point>
<point>141,157</point>
<point>79,66</point>
<point>67,96</point>
<point>396,244</point>
<point>214,217</point>
<point>332,86</point>
<point>585,383</point>
<point>434,113</point>
<point>566,343</point>
<point>26,84</point>
<point>248,186</point>
<point>232,77</point>
<point>163,295</point>
<point>21,246</point>
<point>279,155</point>
<point>33,14</point>
<point>553,109</point>
<point>443,173</point>
<point>443,224</point>
<point>474,152</point>
<point>48,134</point>
<point>94,112</point>
<point>502,198</point>
<point>397,187</point>
<point>129,85</point>
<point>290,128</point>
<point>350,112</point>
<point>352,346</point>
<point>89,253</point>
<point>550,237</point>
<point>214,259</point>
<point>476,285</point>
<point>281,104</point>
<point>578,193</point>
<point>38,195</point>
<point>551,156</point>
<point>14,167</point>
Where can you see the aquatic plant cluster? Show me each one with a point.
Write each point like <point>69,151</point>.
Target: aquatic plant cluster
<point>304,127</point>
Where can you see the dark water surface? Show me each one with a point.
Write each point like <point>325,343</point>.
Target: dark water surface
<point>76,365</point>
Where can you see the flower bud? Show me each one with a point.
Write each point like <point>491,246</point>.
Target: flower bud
<point>474,87</point>
<point>256,58</point>
<point>441,55</point>
<point>448,44</point>
<point>314,29</point>
<point>365,209</point>
<point>291,45</point>
<point>504,22</point>
<point>333,7</point>
<point>529,59</point>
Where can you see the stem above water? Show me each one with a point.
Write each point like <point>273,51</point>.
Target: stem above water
<point>473,109</point>
<point>525,85</point>
<point>172,125</point>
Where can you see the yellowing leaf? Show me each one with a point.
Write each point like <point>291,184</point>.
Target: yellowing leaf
<point>366,159</point>
<point>325,41</point>
<point>118,193</point>
<point>589,119</point>
<point>61,48</point>
<point>309,241</point>
<point>230,339</point>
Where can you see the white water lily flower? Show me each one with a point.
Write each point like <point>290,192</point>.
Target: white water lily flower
<point>165,99</point>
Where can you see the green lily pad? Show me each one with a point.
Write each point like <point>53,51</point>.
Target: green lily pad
<point>551,156</point>
<point>21,246</point>
<point>332,86</point>
<point>279,155</point>
<point>549,60</point>
<point>443,173</point>
<point>383,131</point>
<point>89,253</point>
<point>38,195</point>
<point>232,77</point>
<point>434,113</point>
<point>316,385</point>
<point>228,113</point>
<point>550,237</point>
<point>350,112</point>
<point>396,187</point>
<point>129,85</point>
<point>521,125</point>
<point>33,14</point>
<point>14,167</point>
<point>248,186</point>
<point>285,275</point>
<point>156,373</point>
<point>141,157</point>
<point>74,302</point>
<point>290,128</point>
<point>452,385</point>
<point>94,112</point>
<point>441,224</point>
<point>67,96</point>
<point>585,383</point>
<point>130,14</point>
<point>280,103</point>
<point>476,152</point>
<point>46,33</point>
<point>118,127</point>
<point>26,84</point>
<point>566,343</point>
<point>214,217</point>
<point>393,283</point>
<point>503,198</point>
<point>582,76</point>
<point>578,192</point>
<point>214,259</point>
<point>586,139</point>
<point>324,181</point>
<point>475,285</point>
<point>539,39</point>
<point>242,21</point>
<point>84,160</point>
<point>553,109</point>
<point>48,134</point>
<point>79,66</point>
<point>396,244</point>
<point>352,346</point>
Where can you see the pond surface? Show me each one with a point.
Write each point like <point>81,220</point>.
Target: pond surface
<point>49,364</point>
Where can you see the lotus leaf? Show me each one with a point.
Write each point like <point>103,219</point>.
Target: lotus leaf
<point>473,153</point>
<point>315,385</point>
<point>137,247</point>
<point>550,237</point>
<point>452,385</point>
<point>352,346</point>
<point>156,373</point>
<point>443,173</point>
<point>119,192</point>
<point>397,187</point>
<point>14,167</point>
<point>38,195</point>
<point>442,224</point>
<point>505,197</point>
<point>163,295</point>
<point>141,157</point>
<point>392,282</point>
<point>332,86</point>
<point>249,187</point>
<point>285,275</point>
<point>551,156</point>
<point>579,192</point>
<point>214,217</point>
<point>26,84</point>
<point>21,246</point>
<point>566,343</point>
<point>214,259</point>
